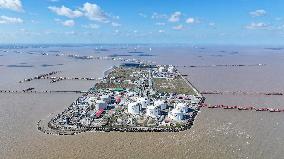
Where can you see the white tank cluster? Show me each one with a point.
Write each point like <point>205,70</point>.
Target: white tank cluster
<point>177,114</point>
<point>167,68</point>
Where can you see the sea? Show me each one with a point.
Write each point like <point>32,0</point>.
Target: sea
<point>216,133</point>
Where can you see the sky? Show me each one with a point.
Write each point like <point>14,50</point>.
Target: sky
<point>238,22</point>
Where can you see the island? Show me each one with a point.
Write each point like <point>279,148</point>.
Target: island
<point>131,98</point>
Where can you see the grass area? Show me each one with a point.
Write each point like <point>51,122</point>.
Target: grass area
<point>124,73</point>
<point>177,85</point>
<point>120,74</point>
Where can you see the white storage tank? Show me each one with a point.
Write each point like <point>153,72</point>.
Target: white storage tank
<point>171,69</point>
<point>144,102</point>
<point>134,108</point>
<point>183,107</point>
<point>162,69</point>
<point>176,115</point>
<point>161,104</point>
<point>153,111</point>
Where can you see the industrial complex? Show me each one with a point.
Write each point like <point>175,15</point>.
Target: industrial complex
<point>135,98</point>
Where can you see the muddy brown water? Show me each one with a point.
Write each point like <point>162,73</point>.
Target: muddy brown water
<point>215,134</point>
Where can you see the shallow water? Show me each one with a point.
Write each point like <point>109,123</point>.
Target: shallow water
<point>215,134</point>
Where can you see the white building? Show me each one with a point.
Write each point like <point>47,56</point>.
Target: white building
<point>134,108</point>
<point>100,104</point>
<point>153,111</point>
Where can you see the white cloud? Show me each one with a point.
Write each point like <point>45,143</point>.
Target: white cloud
<point>94,12</point>
<point>67,12</point>
<point>158,16</point>
<point>161,31</point>
<point>257,26</point>
<point>70,33</point>
<point>115,24</point>
<point>92,26</point>
<point>212,24</point>
<point>178,27</point>
<point>190,20</point>
<point>68,23</point>
<point>89,10</point>
<point>143,15</point>
<point>160,23</point>
<point>258,13</point>
<point>10,20</point>
<point>15,5</point>
<point>175,17</point>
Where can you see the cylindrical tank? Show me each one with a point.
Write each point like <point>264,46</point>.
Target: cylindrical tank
<point>144,102</point>
<point>183,107</point>
<point>161,104</point>
<point>133,108</point>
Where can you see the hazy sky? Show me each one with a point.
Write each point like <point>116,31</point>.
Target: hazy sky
<point>142,21</point>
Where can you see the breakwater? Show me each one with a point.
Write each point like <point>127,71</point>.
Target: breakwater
<point>57,79</point>
<point>242,93</point>
<point>41,76</point>
<point>224,65</point>
<point>32,91</point>
<point>241,108</point>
